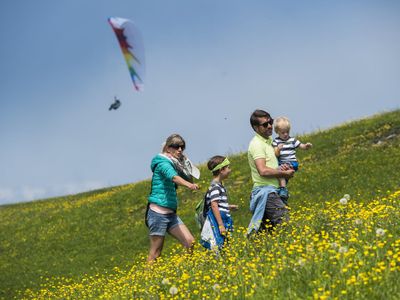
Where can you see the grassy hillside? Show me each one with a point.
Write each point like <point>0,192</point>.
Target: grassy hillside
<point>85,235</point>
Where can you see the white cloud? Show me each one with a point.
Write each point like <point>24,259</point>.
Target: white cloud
<point>29,193</point>
<point>32,193</point>
<point>74,188</point>
<point>6,195</point>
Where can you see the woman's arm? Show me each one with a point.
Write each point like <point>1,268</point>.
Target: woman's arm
<point>180,181</point>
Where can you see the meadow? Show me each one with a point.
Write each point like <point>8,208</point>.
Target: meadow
<point>94,245</point>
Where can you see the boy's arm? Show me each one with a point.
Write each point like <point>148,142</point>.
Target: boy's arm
<point>217,215</point>
<point>233,207</point>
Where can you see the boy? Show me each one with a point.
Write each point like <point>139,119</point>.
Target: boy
<point>285,149</point>
<point>219,220</point>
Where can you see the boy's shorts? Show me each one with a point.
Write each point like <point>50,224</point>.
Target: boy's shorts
<point>160,224</point>
<point>294,164</point>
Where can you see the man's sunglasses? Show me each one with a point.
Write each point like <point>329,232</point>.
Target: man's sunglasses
<point>266,124</point>
<point>177,146</point>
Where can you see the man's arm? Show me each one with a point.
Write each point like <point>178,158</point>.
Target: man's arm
<point>284,171</point>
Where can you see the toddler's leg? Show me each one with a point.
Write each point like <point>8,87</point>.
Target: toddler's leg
<point>283,191</point>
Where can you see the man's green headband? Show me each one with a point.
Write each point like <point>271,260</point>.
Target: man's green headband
<point>221,165</point>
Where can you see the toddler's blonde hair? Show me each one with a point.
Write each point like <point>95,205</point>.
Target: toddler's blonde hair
<point>281,123</point>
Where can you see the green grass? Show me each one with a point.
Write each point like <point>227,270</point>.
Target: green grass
<point>91,233</point>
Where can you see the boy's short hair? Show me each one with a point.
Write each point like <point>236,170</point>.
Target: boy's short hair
<point>256,115</point>
<point>281,123</point>
<point>213,162</point>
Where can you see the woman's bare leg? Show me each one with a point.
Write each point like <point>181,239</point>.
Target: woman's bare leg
<point>183,235</point>
<point>156,245</point>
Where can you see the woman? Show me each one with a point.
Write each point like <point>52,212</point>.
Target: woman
<point>168,173</point>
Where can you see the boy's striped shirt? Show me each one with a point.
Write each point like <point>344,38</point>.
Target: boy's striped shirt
<point>217,192</point>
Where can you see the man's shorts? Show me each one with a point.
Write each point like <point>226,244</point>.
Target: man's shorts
<point>160,224</point>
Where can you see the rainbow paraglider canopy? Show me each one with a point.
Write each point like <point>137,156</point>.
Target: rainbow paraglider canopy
<point>131,43</point>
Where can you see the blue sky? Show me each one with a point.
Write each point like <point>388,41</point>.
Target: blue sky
<point>209,64</point>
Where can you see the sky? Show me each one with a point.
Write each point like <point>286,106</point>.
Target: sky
<point>209,65</point>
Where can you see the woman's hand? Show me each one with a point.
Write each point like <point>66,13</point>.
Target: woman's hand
<point>193,186</point>
<point>180,181</point>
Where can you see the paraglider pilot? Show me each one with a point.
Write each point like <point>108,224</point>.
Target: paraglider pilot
<point>115,105</point>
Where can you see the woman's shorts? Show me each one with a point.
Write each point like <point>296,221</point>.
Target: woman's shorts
<point>160,224</point>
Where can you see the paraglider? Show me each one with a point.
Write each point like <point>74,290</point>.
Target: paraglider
<point>131,44</point>
<point>115,105</point>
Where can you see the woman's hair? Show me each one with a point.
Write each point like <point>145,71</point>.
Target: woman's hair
<point>171,140</point>
<point>281,123</point>
<point>256,115</point>
<point>215,161</point>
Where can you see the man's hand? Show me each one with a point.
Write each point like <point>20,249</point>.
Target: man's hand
<point>285,167</point>
<point>287,170</point>
<point>288,173</point>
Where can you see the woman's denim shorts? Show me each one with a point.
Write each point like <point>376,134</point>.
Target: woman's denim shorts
<point>160,224</point>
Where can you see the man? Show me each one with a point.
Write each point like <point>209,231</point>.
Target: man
<point>115,105</point>
<point>265,203</point>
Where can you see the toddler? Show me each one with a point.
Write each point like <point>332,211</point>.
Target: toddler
<point>285,150</point>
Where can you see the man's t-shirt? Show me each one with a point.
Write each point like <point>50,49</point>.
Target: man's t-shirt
<point>261,147</point>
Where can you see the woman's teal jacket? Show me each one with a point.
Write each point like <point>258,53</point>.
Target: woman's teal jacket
<point>163,189</point>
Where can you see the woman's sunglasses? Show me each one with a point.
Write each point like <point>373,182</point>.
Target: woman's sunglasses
<point>177,146</point>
